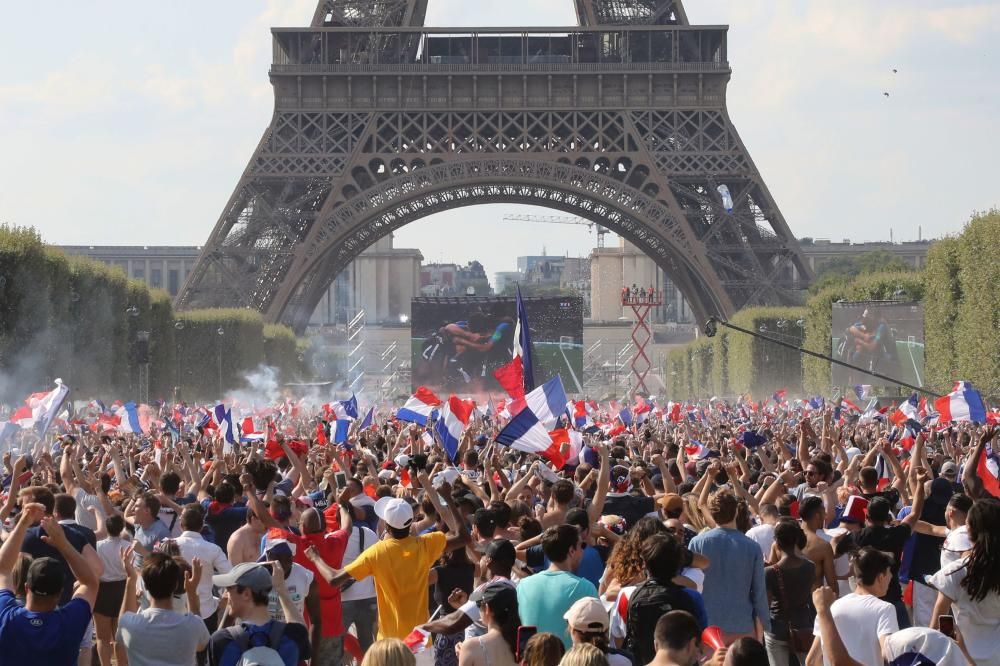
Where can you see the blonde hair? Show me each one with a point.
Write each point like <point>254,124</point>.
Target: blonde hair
<point>693,513</point>
<point>584,654</point>
<point>543,649</point>
<point>389,652</point>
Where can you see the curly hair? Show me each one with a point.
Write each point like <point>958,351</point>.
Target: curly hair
<point>625,564</point>
<point>983,565</point>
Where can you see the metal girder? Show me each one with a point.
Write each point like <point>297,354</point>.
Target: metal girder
<point>633,12</point>
<point>370,13</point>
<point>353,154</point>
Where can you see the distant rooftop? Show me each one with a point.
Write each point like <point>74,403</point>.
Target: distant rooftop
<point>131,250</point>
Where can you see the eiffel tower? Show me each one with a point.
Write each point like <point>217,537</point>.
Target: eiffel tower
<point>380,121</point>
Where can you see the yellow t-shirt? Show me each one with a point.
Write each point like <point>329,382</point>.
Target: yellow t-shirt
<point>400,568</point>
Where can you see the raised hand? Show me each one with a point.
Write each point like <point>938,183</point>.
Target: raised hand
<point>193,577</point>
<point>55,535</point>
<point>128,562</point>
<point>32,512</point>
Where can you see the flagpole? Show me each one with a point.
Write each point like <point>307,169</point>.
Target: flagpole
<point>710,329</point>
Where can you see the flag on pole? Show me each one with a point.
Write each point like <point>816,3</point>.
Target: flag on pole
<point>522,343</point>
<point>129,415</point>
<point>963,404</point>
<point>40,409</point>
<point>224,421</point>
<point>369,419</point>
<point>343,409</point>
<point>906,411</point>
<point>529,430</point>
<point>340,430</point>
<point>454,418</point>
<point>421,406</point>
<point>511,378</point>
<point>46,409</point>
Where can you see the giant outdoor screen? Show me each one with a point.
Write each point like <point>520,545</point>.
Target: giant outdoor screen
<point>886,337</point>
<point>457,343</point>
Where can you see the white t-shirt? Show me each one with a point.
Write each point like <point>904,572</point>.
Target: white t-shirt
<point>763,536</point>
<point>297,582</point>
<point>696,576</point>
<point>861,620</point>
<point>155,636</point>
<point>955,545</point>
<point>618,660</point>
<point>364,588</point>
<point>110,551</point>
<point>83,504</point>
<point>979,621</point>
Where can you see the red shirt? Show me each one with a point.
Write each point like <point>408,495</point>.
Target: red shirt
<point>331,547</point>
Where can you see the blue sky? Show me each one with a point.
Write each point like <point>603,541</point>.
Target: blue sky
<point>131,122</point>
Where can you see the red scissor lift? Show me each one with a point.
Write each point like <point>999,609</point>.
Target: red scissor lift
<point>641,302</point>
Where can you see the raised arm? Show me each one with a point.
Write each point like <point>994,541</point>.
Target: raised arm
<point>11,548</point>
<point>88,579</point>
<point>829,643</point>
<point>603,481</point>
<point>459,535</point>
<point>918,500</point>
<point>970,475</point>
<point>335,577</point>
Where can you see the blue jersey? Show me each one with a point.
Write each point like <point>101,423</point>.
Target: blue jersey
<point>51,638</point>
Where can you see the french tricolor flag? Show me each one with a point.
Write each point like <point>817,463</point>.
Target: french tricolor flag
<point>570,442</point>
<point>223,419</point>
<point>421,405</point>
<point>696,450</point>
<point>529,429</point>
<point>249,432</point>
<point>988,467</point>
<point>129,415</point>
<point>343,409</point>
<point>454,419</point>
<point>963,404</point>
<point>906,411</point>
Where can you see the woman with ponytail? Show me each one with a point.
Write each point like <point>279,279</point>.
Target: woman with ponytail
<point>971,586</point>
<point>498,610</point>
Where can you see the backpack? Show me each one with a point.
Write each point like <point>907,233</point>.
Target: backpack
<point>646,606</point>
<point>260,655</point>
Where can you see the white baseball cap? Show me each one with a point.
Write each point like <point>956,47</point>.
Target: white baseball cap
<point>397,513</point>
<point>920,645</point>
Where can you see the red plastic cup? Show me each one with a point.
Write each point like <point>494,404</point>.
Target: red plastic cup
<point>416,640</point>
<point>712,637</point>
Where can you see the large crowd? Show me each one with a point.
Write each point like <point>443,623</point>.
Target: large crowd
<point>745,535</point>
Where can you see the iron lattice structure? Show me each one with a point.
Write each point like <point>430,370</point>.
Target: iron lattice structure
<point>380,121</point>
<point>641,305</point>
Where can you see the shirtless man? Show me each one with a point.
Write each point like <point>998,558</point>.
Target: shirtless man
<point>563,493</point>
<point>244,544</point>
<point>818,549</point>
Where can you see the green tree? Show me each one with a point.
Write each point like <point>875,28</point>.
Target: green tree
<point>840,272</point>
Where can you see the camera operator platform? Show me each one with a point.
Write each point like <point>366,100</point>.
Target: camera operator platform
<point>642,301</point>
